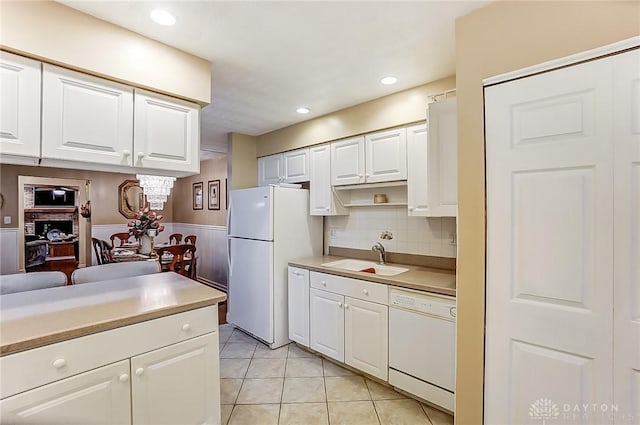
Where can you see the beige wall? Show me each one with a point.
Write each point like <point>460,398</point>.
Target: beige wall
<point>498,38</point>
<point>243,165</point>
<point>183,212</point>
<point>104,192</point>
<point>389,111</point>
<point>55,33</point>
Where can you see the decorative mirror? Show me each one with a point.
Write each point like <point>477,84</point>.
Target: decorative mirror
<point>130,198</point>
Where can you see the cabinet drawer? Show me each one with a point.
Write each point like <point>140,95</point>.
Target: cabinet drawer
<point>32,368</point>
<point>355,288</point>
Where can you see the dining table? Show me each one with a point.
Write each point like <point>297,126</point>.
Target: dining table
<point>130,252</point>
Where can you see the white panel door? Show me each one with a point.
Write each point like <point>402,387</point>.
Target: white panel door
<point>322,199</point>
<point>20,108</point>
<point>99,397</point>
<point>549,245</point>
<point>270,169</point>
<point>86,118</point>
<point>178,384</point>
<point>386,156</point>
<point>251,294</point>
<point>626,136</point>
<point>296,166</point>
<point>166,133</point>
<point>298,288</point>
<point>366,336</point>
<point>417,170</point>
<point>326,323</point>
<point>347,161</point>
<point>443,158</point>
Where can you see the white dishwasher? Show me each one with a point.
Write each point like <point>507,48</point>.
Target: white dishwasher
<point>422,345</point>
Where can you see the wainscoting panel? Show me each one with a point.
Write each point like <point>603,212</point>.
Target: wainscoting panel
<point>9,250</point>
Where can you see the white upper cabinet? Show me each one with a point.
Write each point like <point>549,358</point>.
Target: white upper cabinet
<point>270,170</point>
<point>166,133</point>
<point>417,170</point>
<point>20,109</point>
<point>288,167</point>
<point>86,118</point>
<point>322,198</point>
<point>386,156</point>
<point>296,166</point>
<point>347,161</point>
<point>443,158</point>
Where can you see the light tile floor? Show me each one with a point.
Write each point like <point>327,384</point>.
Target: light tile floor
<point>290,386</point>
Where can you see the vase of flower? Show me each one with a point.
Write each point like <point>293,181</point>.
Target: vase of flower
<point>144,226</point>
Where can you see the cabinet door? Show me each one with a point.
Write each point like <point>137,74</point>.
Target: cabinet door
<point>20,108</point>
<point>296,166</point>
<point>386,156</point>
<point>270,170</point>
<point>347,161</point>
<point>327,323</point>
<point>166,133</point>
<point>417,170</point>
<point>178,384</point>
<point>443,158</point>
<point>100,396</point>
<point>322,200</point>
<point>85,118</point>
<point>366,336</point>
<point>299,305</point>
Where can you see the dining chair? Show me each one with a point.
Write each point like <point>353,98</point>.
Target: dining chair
<point>102,250</point>
<point>19,282</point>
<point>177,237</point>
<point>122,238</point>
<point>114,271</point>
<point>191,239</point>
<point>183,260</point>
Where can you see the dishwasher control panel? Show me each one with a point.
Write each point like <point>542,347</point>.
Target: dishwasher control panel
<point>431,304</point>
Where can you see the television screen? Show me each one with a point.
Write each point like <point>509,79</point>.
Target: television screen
<point>54,198</point>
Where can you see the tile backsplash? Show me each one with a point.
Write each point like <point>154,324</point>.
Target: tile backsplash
<point>411,235</point>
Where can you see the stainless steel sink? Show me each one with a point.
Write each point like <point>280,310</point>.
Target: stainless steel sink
<point>361,265</point>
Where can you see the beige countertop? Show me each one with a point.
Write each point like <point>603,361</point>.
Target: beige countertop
<point>35,318</point>
<point>421,278</point>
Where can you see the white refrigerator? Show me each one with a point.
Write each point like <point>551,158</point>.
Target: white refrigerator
<point>268,226</point>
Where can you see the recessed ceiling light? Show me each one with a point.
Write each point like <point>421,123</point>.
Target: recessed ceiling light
<point>389,80</point>
<point>303,110</point>
<point>162,17</point>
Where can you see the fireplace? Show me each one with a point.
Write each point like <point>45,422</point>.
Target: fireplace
<point>42,227</point>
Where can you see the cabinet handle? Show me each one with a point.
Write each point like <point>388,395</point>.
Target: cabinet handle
<point>360,175</point>
<point>346,306</point>
<point>140,155</point>
<point>453,311</point>
<point>324,283</point>
<point>139,371</point>
<point>326,208</point>
<point>124,377</point>
<point>59,363</point>
<point>126,152</point>
<point>339,304</point>
<point>186,327</point>
<point>411,208</point>
<point>365,291</point>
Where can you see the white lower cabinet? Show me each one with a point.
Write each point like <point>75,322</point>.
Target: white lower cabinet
<point>161,371</point>
<point>175,384</point>
<point>298,288</point>
<point>347,327</point>
<point>100,396</point>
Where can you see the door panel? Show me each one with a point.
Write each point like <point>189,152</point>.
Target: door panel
<point>417,170</point>
<point>549,245</point>
<point>627,236</point>
<point>251,287</point>
<point>367,337</point>
<point>296,166</point>
<point>98,397</point>
<point>298,305</point>
<point>386,154</point>
<point>347,161</point>
<point>270,170</point>
<point>326,323</point>
<point>178,384</point>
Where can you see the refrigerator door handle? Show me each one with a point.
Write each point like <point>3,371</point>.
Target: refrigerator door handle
<point>229,239</point>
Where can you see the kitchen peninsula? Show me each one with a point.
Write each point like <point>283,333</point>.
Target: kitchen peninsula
<point>136,350</point>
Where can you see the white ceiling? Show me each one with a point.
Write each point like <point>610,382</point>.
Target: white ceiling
<point>269,57</point>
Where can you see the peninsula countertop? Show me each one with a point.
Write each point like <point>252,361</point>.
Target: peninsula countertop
<point>32,319</point>
<point>428,279</point>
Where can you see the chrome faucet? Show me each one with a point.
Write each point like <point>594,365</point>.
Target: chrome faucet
<point>381,252</point>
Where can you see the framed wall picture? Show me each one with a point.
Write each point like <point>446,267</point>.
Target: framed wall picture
<point>214,194</point>
<point>226,194</point>
<point>198,196</point>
